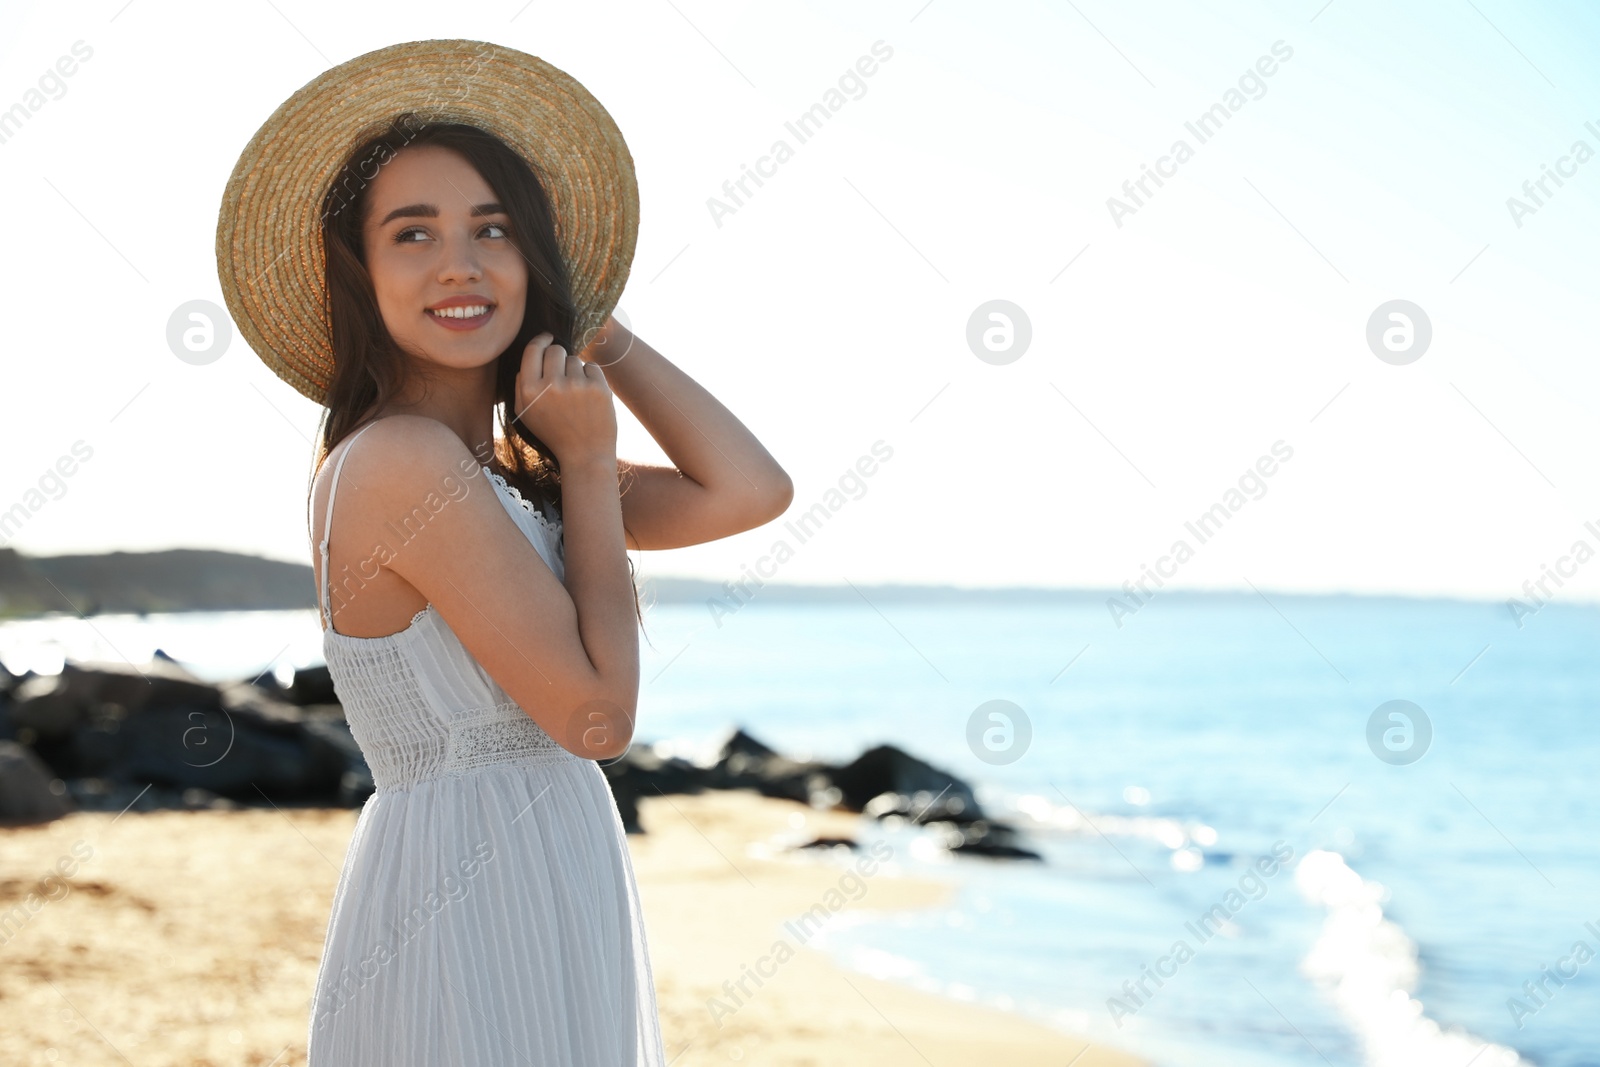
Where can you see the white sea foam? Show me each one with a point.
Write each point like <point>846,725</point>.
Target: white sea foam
<point>1368,966</point>
<point>1039,813</point>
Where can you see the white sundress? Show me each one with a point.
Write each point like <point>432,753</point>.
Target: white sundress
<point>486,913</point>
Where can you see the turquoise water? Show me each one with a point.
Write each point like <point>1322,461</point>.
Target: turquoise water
<point>1171,757</point>
<point>1192,740</point>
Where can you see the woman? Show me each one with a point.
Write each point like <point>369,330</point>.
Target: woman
<point>482,637</point>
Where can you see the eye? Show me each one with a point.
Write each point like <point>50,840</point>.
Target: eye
<point>499,226</point>
<point>401,238</point>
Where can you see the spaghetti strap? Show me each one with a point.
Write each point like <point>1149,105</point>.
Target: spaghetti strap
<point>325,601</point>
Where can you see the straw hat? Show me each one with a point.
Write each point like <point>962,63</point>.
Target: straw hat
<point>270,257</point>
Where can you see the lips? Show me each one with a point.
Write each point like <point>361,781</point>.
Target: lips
<point>466,312</point>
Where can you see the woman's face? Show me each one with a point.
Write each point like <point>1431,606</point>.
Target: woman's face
<point>450,284</point>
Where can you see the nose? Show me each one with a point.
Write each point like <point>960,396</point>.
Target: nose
<point>458,260</point>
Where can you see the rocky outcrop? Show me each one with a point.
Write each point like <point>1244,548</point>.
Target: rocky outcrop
<point>161,726</point>
<point>106,736</point>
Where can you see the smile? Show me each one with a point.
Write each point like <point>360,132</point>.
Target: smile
<point>462,316</point>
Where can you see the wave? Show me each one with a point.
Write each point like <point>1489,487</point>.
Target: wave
<point>1188,839</point>
<point>1368,965</point>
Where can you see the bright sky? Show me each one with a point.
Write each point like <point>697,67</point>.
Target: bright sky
<point>831,310</point>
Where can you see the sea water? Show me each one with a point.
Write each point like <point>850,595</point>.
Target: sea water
<point>1237,870</point>
<point>1439,911</point>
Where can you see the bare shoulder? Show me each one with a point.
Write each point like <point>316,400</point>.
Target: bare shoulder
<point>398,461</point>
<point>405,454</point>
<point>412,438</point>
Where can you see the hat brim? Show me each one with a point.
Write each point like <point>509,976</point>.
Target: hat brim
<point>270,258</point>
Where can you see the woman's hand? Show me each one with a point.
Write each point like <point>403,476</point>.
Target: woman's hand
<point>566,402</point>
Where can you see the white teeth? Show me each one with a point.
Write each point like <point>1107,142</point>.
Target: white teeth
<point>465,312</point>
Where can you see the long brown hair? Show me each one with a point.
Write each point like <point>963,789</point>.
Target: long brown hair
<point>370,369</point>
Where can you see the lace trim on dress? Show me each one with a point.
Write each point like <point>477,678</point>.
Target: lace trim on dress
<point>499,735</point>
<point>553,528</point>
<point>412,625</point>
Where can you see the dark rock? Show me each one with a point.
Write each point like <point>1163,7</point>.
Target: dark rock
<point>921,807</point>
<point>45,706</point>
<point>26,795</point>
<point>628,809</point>
<point>159,682</point>
<point>887,769</point>
<point>740,743</point>
<point>659,774</point>
<point>890,784</point>
<point>240,754</point>
<point>983,838</point>
<point>329,712</point>
<point>312,685</point>
<point>776,776</point>
<point>742,762</point>
<point>164,727</point>
<point>641,772</point>
<point>355,784</point>
<point>268,704</point>
<point>832,842</point>
<point>53,706</point>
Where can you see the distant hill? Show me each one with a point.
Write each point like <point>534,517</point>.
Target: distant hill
<point>192,579</point>
<point>179,579</point>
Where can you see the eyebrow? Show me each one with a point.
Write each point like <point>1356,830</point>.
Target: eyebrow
<point>429,211</point>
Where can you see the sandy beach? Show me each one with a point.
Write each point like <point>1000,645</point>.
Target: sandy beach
<point>192,938</point>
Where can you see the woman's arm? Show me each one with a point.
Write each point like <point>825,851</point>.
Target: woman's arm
<point>597,579</point>
<point>568,654</point>
<point>723,481</point>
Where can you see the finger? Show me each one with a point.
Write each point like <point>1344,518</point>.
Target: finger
<point>562,362</point>
<point>533,355</point>
<point>552,359</point>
